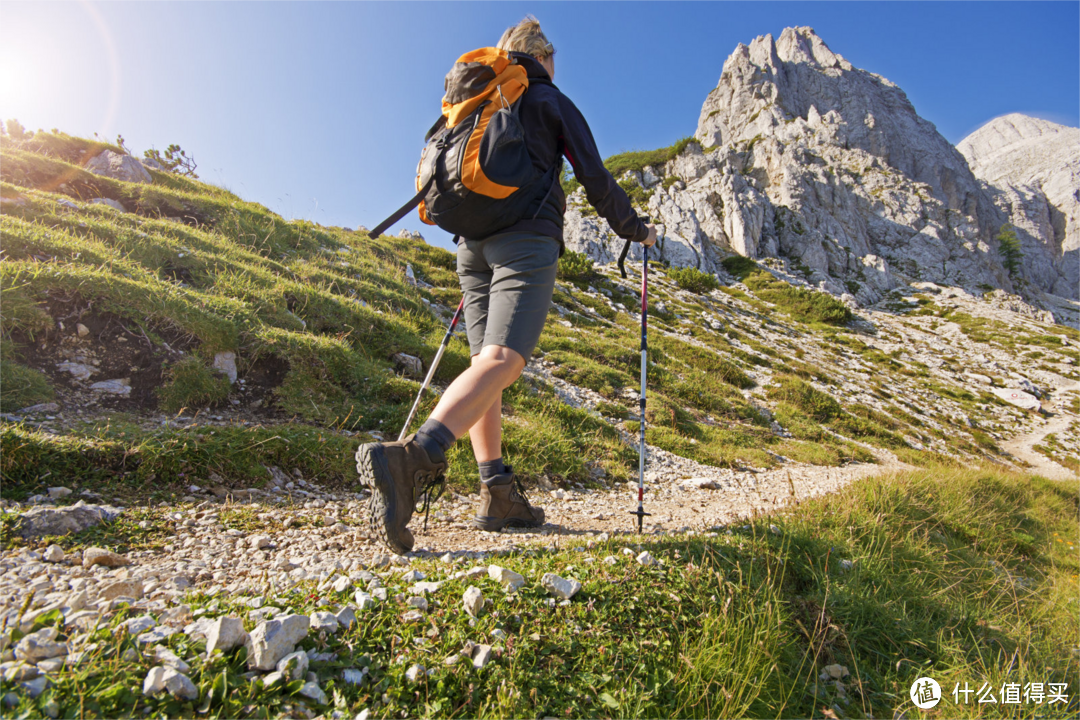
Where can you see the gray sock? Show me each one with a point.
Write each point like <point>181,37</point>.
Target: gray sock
<point>435,438</point>
<point>490,469</point>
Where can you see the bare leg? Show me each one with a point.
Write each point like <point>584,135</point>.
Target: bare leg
<point>474,399</point>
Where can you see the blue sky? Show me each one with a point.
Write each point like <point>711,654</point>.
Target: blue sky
<point>318,110</point>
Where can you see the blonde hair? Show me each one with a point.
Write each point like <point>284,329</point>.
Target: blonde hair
<point>527,37</point>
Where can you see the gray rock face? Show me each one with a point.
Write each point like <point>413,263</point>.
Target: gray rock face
<point>109,202</point>
<point>1032,168</point>
<point>118,167</point>
<point>803,156</point>
<point>226,363</point>
<point>40,521</point>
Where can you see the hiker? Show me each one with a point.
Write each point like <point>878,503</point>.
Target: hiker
<point>508,279</point>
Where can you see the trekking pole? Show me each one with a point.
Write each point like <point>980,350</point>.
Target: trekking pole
<point>640,512</point>
<point>434,365</point>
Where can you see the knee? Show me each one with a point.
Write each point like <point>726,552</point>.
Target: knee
<point>503,364</point>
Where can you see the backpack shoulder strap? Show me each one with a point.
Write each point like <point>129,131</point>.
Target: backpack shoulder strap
<point>416,199</point>
<point>402,211</point>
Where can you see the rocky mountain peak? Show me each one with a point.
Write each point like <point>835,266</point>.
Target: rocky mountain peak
<point>805,157</point>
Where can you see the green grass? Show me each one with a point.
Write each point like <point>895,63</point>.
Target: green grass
<point>962,575</point>
<point>638,160</point>
<point>802,304</point>
<point>192,385</point>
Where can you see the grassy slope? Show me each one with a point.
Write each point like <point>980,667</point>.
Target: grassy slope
<point>965,576</point>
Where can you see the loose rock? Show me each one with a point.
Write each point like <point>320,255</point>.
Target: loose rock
<point>224,634</point>
<point>100,556</point>
<point>273,640</point>
<point>294,666</point>
<point>473,600</point>
<point>560,587</point>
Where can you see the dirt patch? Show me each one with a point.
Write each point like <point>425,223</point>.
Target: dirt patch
<point>108,347</point>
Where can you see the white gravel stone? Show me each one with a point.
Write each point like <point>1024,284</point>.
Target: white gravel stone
<point>473,599</point>
<point>481,656</point>
<point>161,679</point>
<point>100,556</point>
<point>124,588</point>
<point>363,600</point>
<point>420,603</point>
<point>414,673</point>
<point>322,621</point>
<point>412,616</point>
<point>507,578</point>
<point>294,666</point>
<point>561,588</point>
<point>157,634</point>
<point>224,634</point>
<point>273,640</point>
<point>36,686</point>
<point>354,676</point>
<point>313,691</point>
<point>646,559</point>
<point>259,542</point>
<point>346,616</point>
<point>165,656</point>
<point>59,492</point>
<point>54,554</point>
<point>139,625</point>
<point>40,645</point>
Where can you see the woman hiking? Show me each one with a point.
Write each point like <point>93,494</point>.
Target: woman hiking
<point>508,279</point>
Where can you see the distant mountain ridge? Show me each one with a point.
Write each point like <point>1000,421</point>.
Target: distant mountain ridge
<point>1032,169</point>
<point>804,157</point>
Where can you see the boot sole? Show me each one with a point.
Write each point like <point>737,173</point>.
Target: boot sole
<point>494,524</point>
<point>375,474</point>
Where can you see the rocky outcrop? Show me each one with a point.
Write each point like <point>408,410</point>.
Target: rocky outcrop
<point>802,156</point>
<point>119,167</point>
<point>1031,168</point>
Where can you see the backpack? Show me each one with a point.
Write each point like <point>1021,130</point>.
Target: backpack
<point>475,175</point>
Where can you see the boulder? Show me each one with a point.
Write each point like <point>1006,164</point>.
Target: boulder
<point>118,167</point>
<point>38,521</point>
<point>1019,398</point>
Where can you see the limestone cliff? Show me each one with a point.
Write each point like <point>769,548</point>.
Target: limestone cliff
<point>805,157</point>
<point>1031,168</point>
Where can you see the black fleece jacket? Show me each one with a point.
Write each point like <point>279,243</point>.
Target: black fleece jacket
<point>553,127</point>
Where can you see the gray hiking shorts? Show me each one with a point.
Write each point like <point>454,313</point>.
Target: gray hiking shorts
<point>508,281</point>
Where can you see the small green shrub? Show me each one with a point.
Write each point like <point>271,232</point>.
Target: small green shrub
<point>694,280</point>
<point>576,266</point>
<point>192,385</point>
<point>1009,249</point>
<point>739,266</point>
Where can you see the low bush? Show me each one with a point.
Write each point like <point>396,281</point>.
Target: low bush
<point>694,280</point>
<point>576,266</point>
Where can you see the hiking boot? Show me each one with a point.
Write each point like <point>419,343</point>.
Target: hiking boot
<point>503,503</point>
<point>398,473</point>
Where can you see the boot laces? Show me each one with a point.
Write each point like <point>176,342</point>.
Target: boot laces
<point>433,484</point>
